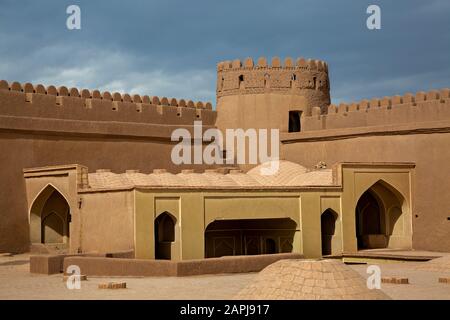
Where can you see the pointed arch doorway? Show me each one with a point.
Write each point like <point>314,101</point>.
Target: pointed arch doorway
<point>50,217</point>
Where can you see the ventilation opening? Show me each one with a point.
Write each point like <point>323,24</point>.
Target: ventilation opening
<point>294,121</point>
<point>241,80</point>
<point>266,80</point>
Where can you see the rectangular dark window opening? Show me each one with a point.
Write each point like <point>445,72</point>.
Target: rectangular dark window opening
<point>294,121</point>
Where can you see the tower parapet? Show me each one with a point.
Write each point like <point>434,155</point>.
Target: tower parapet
<point>235,77</point>
<point>261,95</point>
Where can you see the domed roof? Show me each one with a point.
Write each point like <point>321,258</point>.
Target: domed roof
<point>300,279</point>
<point>286,173</point>
<point>289,174</point>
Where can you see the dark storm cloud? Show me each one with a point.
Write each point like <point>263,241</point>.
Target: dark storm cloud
<point>171,47</point>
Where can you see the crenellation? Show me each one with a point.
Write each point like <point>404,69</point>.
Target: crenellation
<point>342,108</point>
<point>40,89</point>
<point>126,98</point>
<point>73,92</point>
<point>16,86</point>
<point>173,102</point>
<point>51,90</point>
<point>199,105</point>
<point>117,96</point>
<point>85,94</point>
<point>164,101</point>
<point>248,63</point>
<point>28,88</point>
<point>301,62</point>
<point>385,102</point>
<point>353,107</point>
<point>106,95</point>
<point>332,109</point>
<point>155,101</point>
<point>63,91</point>
<point>4,85</point>
<point>262,62</point>
<point>276,63</point>
<point>146,99</point>
<point>288,63</point>
<point>433,105</point>
<point>444,93</point>
<point>236,64</point>
<point>432,95</point>
<point>364,105</point>
<point>420,96</point>
<point>408,98</point>
<point>396,100</point>
<point>96,94</point>
<point>374,103</point>
<point>83,104</point>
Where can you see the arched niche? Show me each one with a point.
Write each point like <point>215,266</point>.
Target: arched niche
<point>328,229</point>
<point>382,216</point>
<point>49,217</point>
<point>164,235</point>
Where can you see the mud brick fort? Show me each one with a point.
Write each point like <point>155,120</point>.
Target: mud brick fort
<point>88,171</point>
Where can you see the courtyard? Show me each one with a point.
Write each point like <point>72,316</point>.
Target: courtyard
<point>16,282</point>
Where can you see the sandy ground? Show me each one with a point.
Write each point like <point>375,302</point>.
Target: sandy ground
<point>17,283</point>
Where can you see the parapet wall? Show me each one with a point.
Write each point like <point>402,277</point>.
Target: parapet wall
<point>409,108</point>
<point>28,100</point>
<point>294,78</point>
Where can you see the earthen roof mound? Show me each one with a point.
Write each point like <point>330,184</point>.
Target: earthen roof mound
<point>301,279</point>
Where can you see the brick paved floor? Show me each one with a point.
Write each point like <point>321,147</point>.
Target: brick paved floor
<point>17,283</point>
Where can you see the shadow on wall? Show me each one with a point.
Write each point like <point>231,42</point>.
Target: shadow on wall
<point>249,237</point>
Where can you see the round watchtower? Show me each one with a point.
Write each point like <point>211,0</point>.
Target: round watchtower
<point>270,96</point>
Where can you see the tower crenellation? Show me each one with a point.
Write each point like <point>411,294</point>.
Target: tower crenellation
<point>293,78</point>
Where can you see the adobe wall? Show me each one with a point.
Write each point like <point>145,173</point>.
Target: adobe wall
<point>107,222</point>
<point>113,267</point>
<point>48,126</point>
<point>412,128</point>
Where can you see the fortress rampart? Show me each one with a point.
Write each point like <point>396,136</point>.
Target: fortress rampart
<point>37,101</point>
<point>47,126</point>
<point>409,108</point>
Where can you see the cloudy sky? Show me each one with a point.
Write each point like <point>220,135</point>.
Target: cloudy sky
<point>171,47</point>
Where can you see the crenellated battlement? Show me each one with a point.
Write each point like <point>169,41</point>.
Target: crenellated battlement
<point>237,77</point>
<point>73,103</point>
<point>422,106</point>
